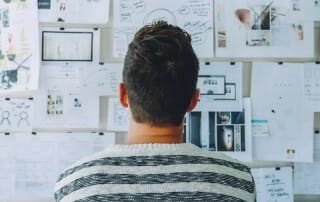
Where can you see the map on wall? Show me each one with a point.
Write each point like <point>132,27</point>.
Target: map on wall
<point>79,11</point>
<point>196,17</point>
<point>264,28</point>
<point>19,46</point>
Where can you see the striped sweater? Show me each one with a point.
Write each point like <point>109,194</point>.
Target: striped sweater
<point>155,172</point>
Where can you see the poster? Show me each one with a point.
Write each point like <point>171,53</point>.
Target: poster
<point>19,46</point>
<point>264,28</point>
<point>196,17</point>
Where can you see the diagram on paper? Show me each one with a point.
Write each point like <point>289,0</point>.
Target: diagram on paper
<point>220,85</point>
<point>196,17</point>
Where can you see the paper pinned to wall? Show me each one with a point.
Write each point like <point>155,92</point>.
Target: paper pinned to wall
<point>101,79</point>
<point>306,10</point>
<point>16,115</point>
<point>75,12</point>
<point>7,175</point>
<point>62,104</point>
<point>277,97</point>
<point>312,86</point>
<point>196,17</point>
<point>118,117</point>
<point>19,46</point>
<point>70,45</point>
<point>273,184</point>
<point>306,179</point>
<point>220,85</point>
<point>39,159</point>
<point>262,29</point>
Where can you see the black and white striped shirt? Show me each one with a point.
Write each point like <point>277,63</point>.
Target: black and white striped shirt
<point>156,172</point>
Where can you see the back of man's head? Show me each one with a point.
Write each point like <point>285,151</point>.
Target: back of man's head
<point>160,74</point>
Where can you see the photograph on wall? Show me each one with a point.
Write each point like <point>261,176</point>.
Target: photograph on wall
<point>269,28</point>
<point>54,104</point>
<point>75,12</point>
<point>220,86</point>
<point>19,46</point>
<point>222,131</point>
<point>196,17</point>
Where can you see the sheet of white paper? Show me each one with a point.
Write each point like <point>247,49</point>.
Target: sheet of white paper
<point>101,79</point>
<point>227,131</point>
<point>196,17</point>
<point>16,115</point>
<point>246,28</point>
<point>306,10</point>
<point>306,177</point>
<point>277,95</point>
<point>33,162</point>
<point>75,12</point>
<point>7,166</point>
<point>118,117</point>
<point>220,85</point>
<point>312,85</point>
<point>273,184</point>
<point>61,103</point>
<point>19,45</point>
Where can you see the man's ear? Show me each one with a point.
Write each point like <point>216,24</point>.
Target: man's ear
<point>194,100</point>
<point>123,97</point>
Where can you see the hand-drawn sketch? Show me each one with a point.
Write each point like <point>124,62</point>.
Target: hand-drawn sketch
<point>15,115</point>
<point>19,46</point>
<point>75,12</point>
<point>261,29</point>
<point>196,17</point>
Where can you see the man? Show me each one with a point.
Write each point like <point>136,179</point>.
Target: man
<point>159,87</point>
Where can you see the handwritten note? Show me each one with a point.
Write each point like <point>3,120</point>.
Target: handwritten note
<point>196,17</point>
<point>101,79</point>
<point>274,184</point>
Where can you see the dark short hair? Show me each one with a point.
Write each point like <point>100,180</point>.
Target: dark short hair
<point>160,74</point>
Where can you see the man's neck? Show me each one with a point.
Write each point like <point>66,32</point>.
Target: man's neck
<point>142,133</point>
